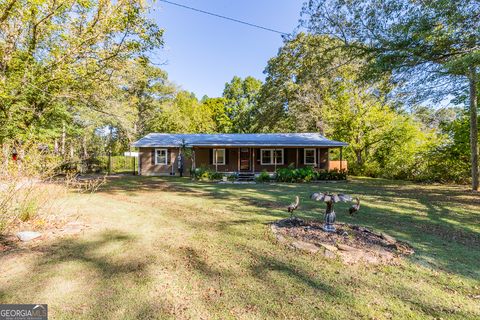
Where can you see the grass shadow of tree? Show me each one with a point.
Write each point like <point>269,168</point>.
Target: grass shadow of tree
<point>427,231</point>
<point>105,273</point>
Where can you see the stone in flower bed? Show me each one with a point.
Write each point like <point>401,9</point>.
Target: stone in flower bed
<point>350,243</point>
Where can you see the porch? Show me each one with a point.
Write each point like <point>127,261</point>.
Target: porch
<point>253,160</point>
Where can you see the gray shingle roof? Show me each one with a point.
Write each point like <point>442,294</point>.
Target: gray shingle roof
<point>237,140</point>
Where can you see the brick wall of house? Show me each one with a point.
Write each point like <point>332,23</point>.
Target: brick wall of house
<point>203,158</point>
<point>149,168</point>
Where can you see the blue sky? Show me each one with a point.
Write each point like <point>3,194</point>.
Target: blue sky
<point>203,52</point>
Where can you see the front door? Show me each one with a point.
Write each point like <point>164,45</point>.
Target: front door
<point>245,159</point>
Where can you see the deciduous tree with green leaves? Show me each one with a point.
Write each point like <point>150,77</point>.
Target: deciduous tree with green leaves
<point>56,55</point>
<point>432,44</point>
<point>183,114</point>
<point>242,98</point>
<point>218,109</point>
<point>312,85</point>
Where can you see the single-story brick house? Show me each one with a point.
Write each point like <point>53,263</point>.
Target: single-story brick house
<point>236,152</point>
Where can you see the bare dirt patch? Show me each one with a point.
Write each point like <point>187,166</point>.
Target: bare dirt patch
<point>351,243</point>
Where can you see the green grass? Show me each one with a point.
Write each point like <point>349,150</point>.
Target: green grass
<point>172,248</point>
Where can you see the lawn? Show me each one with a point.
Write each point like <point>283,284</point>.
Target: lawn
<point>171,248</point>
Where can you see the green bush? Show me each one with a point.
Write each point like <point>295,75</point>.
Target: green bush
<point>291,174</point>
<point>203,173</point>
<point>232,177</point>
<point>336,175</point>
<point>215,175</point>
<point>263,177</point>
<point>308,174</point>
<point>286,174</point>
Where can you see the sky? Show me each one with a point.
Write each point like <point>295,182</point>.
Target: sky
<point>202,52</point>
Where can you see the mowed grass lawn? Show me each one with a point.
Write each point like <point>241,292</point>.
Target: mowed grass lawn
<point>172,248</point>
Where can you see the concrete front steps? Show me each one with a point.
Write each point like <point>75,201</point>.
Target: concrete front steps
<point>245,176</point>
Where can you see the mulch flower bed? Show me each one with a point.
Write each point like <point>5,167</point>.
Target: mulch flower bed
<point>351,243</point>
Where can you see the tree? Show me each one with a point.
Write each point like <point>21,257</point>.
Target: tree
<point>218,109</point>
<point>242,95</point>
<point>298,81</point>
<point>141,88</point>
<point>183,114</point>
<point>309,83</point>
<point>449,161</point>
<point>433,44</point>
<point>56,55</point>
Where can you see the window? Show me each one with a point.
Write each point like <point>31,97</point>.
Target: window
<point>271,156</point>
<point>266,156</point>
<point>279,156</point>
<point>309,156</point>
<point>218,156</point>
<point>161,156</point>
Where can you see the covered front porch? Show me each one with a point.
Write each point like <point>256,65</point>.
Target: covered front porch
<point>257,159</point>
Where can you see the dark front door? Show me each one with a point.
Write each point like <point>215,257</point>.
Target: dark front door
<point>245,159</point>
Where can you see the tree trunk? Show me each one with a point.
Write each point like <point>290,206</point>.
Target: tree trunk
<point>358,153</point>
<point>64,134</point>
<point>474,127</point>
<point>84,146</point>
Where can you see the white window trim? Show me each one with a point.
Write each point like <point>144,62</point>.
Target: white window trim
<point>215,157</point>
<point>261,156</point>
<point>314,155</point>
<point>166,157</point>
<point>272,157</point>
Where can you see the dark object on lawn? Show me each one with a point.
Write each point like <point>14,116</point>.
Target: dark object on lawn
<point>293,206</point>
<point>354,209</point>
<point>330,199</point>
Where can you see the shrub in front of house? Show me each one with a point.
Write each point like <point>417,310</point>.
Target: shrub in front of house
<point>232,177</point>
<point>291,174</point>
<point>263,177</point>
<point>308,174</point>
<point>334,174</point>
<point>206,174</point>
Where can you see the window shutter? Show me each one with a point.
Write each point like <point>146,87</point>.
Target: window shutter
<point>285,156</point>
<point>210,156</point>
<point>168,156</point>
<point>153,156</point>
<point>257,156</point>
<point>227,155</point>
<point>301,156</point>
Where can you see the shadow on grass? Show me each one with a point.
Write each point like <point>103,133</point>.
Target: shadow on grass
<point>104,274</point>
<point>438,221</point>
<point>430,218</point>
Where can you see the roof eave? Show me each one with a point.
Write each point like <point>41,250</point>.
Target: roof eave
<point>333,145</point>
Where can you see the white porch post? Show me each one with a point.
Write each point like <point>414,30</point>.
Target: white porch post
<point>296,159</point>
<point>275,159</point>
<point>194,166</point>
<point>341,158</point>
<point>253,159</point>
